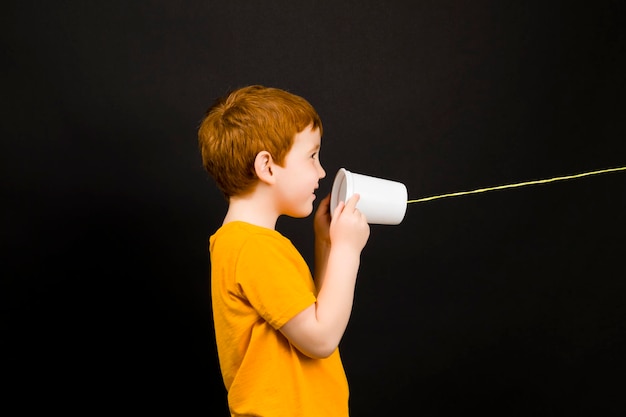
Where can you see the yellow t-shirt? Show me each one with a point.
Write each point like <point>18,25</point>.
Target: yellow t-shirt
<point>259,281</point>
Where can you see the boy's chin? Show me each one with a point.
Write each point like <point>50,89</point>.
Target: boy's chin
<point>300,214</point>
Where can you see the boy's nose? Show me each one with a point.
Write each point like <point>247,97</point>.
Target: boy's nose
<point>322,173</point>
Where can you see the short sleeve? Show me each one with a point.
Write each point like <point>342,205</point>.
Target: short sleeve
<point>274,278</point>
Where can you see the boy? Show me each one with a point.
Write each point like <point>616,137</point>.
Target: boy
<point>277,329</point>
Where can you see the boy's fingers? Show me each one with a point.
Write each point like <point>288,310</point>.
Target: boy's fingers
<point>351,203</point>
<point>338,209</point>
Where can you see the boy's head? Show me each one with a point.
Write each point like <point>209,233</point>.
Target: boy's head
<point>245,122</point>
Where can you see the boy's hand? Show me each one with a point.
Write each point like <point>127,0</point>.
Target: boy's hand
<point>348,225</point>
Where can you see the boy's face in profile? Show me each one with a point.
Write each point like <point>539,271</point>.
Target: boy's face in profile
<point>298,179</point>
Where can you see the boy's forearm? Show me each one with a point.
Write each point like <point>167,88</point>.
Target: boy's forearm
<point>336,294</point>
<point>322,250</point>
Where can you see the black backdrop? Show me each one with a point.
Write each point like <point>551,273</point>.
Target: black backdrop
<point>508,303</point>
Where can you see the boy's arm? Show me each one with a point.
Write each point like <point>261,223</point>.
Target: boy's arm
<point>317,330</point>
<point>321,227</point>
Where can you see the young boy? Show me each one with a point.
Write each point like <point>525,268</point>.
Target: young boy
<point>277,329</point>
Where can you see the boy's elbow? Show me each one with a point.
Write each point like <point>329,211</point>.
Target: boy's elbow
<point>309,336</point>
<point>316,348</point>
<point>318,351</point>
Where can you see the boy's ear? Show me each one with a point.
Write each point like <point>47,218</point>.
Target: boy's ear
<point>263,166</point>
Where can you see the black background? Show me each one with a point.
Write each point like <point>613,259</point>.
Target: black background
<point>505,303</point>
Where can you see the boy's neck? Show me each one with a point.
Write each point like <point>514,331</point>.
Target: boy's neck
<point>251,209</point>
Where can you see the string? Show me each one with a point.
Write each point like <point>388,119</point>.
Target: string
<point>519,184</point>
